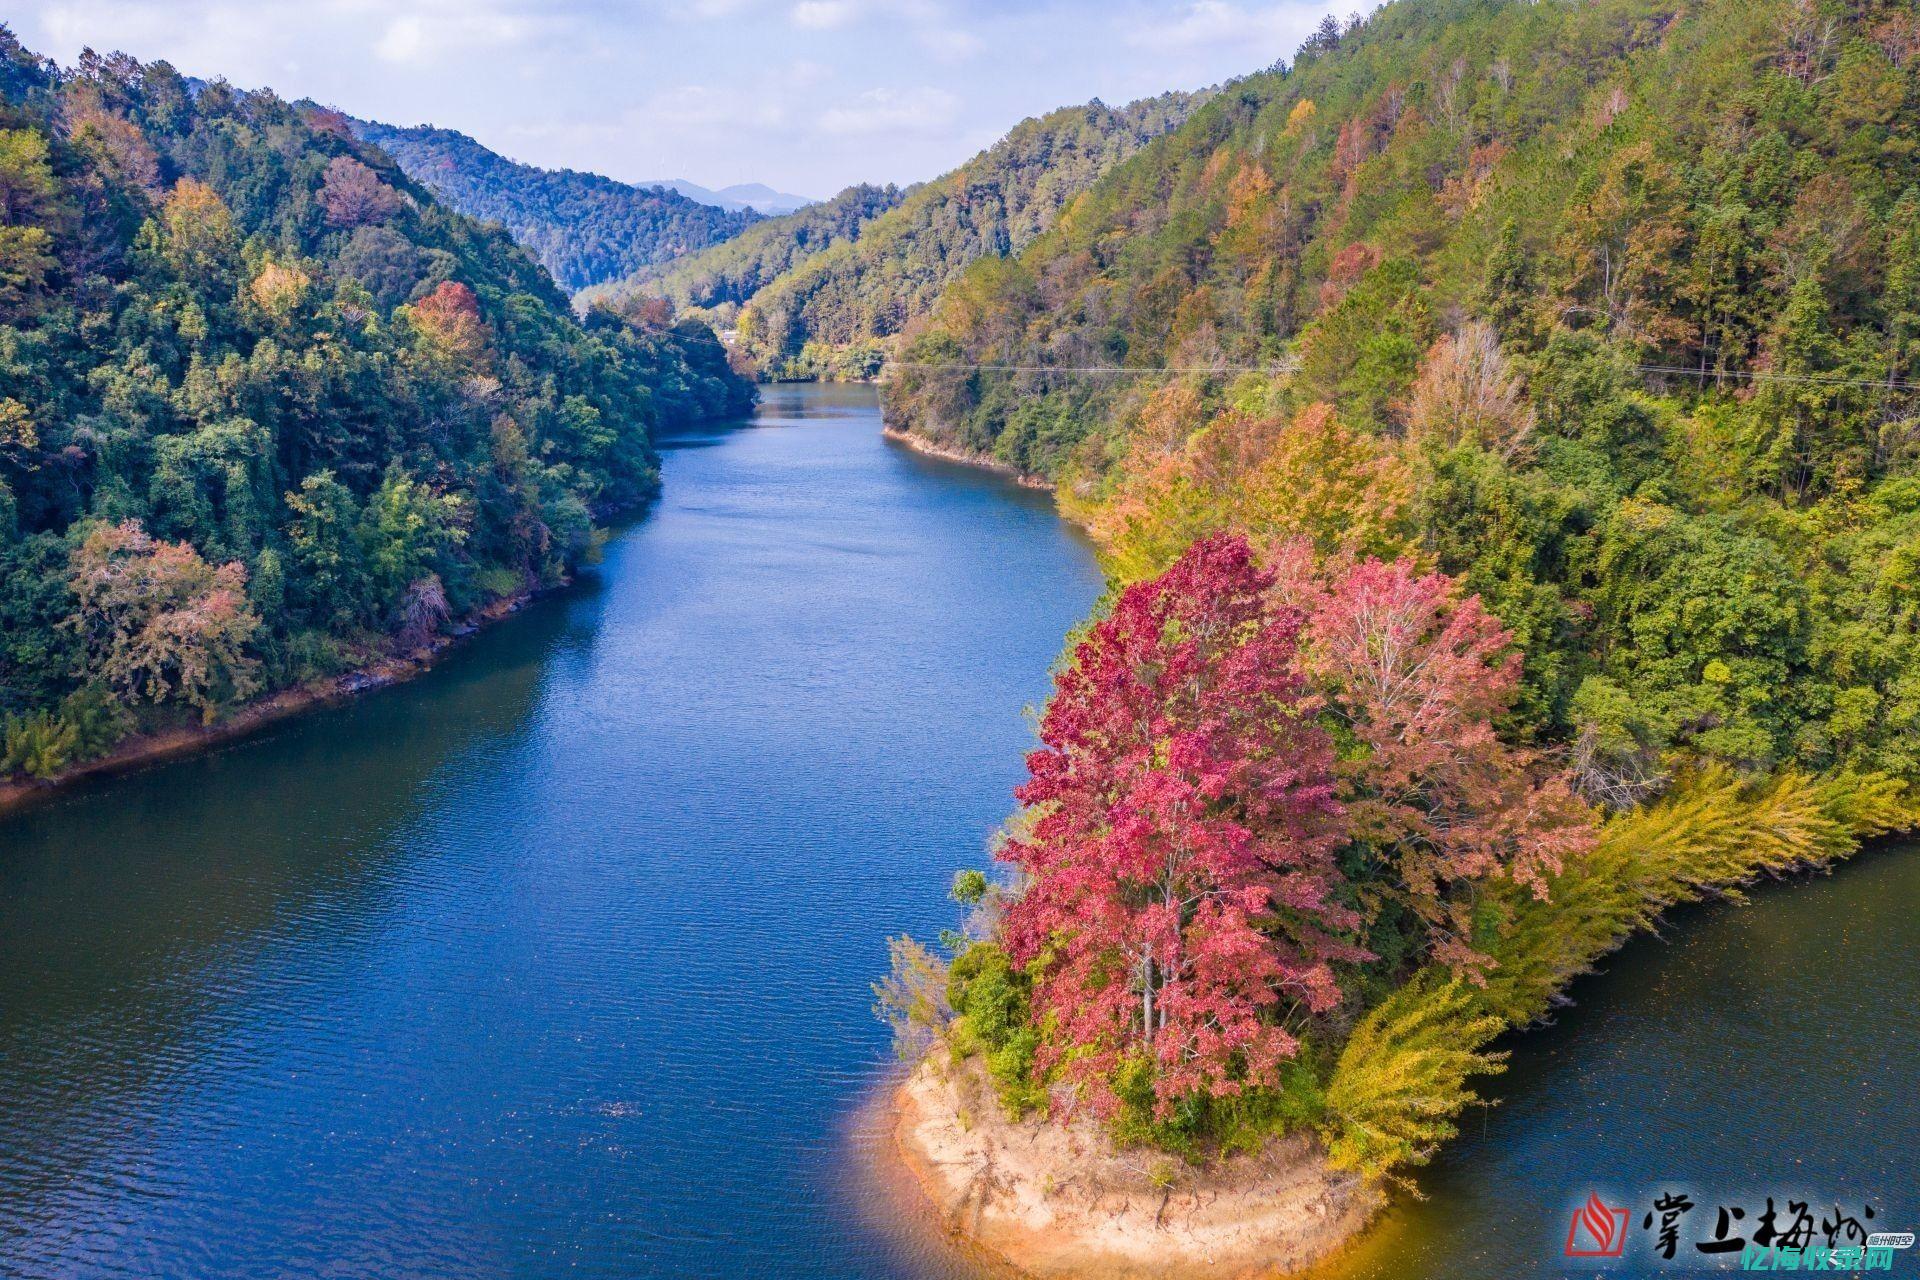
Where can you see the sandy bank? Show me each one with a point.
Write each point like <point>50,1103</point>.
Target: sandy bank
<point>143,749</point>
<point>920,444</point>
<point>1051,1200</point>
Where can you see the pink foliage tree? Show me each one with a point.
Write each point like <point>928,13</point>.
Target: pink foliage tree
<point>1416,673</point>
<point>160,623</point>
<point>354,196</point>
<point>1182,892</point>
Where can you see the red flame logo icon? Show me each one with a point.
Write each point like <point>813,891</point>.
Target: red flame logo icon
<point>1597,1230</point>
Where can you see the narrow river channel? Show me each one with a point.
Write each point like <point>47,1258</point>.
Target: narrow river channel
<point>556,960</point>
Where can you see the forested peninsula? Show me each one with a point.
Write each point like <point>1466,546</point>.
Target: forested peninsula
<point>270,413</point>
<point>1500,426</point>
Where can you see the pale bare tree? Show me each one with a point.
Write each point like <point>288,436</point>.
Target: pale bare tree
<point>1467,392</point>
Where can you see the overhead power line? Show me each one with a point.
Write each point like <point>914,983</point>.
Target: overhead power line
<point>1766,375</point>
<point>1143,371</point>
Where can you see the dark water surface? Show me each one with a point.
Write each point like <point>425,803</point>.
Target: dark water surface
<point>555,961</point>
<point>1765,1050</point>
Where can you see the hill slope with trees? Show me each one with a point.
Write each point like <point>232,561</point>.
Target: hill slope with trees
<point>269,411</point>
<point>1503,428</point>
<point>715,282</point>
<point>584,228</point>
<point>838,300</point>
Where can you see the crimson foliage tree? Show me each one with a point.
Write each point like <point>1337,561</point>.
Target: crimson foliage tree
<point>1183,892</point>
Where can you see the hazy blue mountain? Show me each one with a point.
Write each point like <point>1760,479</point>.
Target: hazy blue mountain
<point>757,196</point>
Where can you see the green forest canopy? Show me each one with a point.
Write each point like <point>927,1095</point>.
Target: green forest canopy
<point>713,283</point>
<point>268,410</point>
<point>823,291</point>
<point>1537,202</point>
<point>584,228</point>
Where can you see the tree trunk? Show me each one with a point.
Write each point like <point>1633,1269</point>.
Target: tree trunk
<point>1146,996</point>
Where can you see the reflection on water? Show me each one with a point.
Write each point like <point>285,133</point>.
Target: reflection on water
<point>556,960</point>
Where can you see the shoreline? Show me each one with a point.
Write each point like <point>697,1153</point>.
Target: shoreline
<point>1056,1201</point>
<point>921,445</point>
<point>140,750</point>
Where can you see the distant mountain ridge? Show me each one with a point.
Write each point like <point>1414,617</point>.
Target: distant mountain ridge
<point>583,227</point>
<point>713,284</point>
<point>757,196</point>
<point>853,272</point>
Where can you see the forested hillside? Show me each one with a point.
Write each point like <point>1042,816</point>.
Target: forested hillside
<point>712,284</point>
<point>268,411</point>
<point>1515,512</point>
<point>830,313</point>
<point>584,228</point>
<point>1689,185</point>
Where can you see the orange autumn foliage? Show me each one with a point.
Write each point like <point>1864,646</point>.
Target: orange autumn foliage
<point>449,324</point>
<point>1273,480</point>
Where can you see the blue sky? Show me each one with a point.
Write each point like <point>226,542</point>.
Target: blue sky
<point>805,95</point>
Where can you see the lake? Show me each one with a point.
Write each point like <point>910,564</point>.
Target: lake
<point>555,961</point>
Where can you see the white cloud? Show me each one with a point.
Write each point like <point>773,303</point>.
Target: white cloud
<point>687,110</point>
<point>705,107</point>
<point>824,15</point>
<point>833,15</point>
<point>1265,31</point>
<point>804,73</point>
<point>434,30</point>
<point>249,41</point>
<point>240,41</point>
<point>892,111</point>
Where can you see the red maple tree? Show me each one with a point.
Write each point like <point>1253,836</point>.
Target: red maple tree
<point>1182,888</point>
